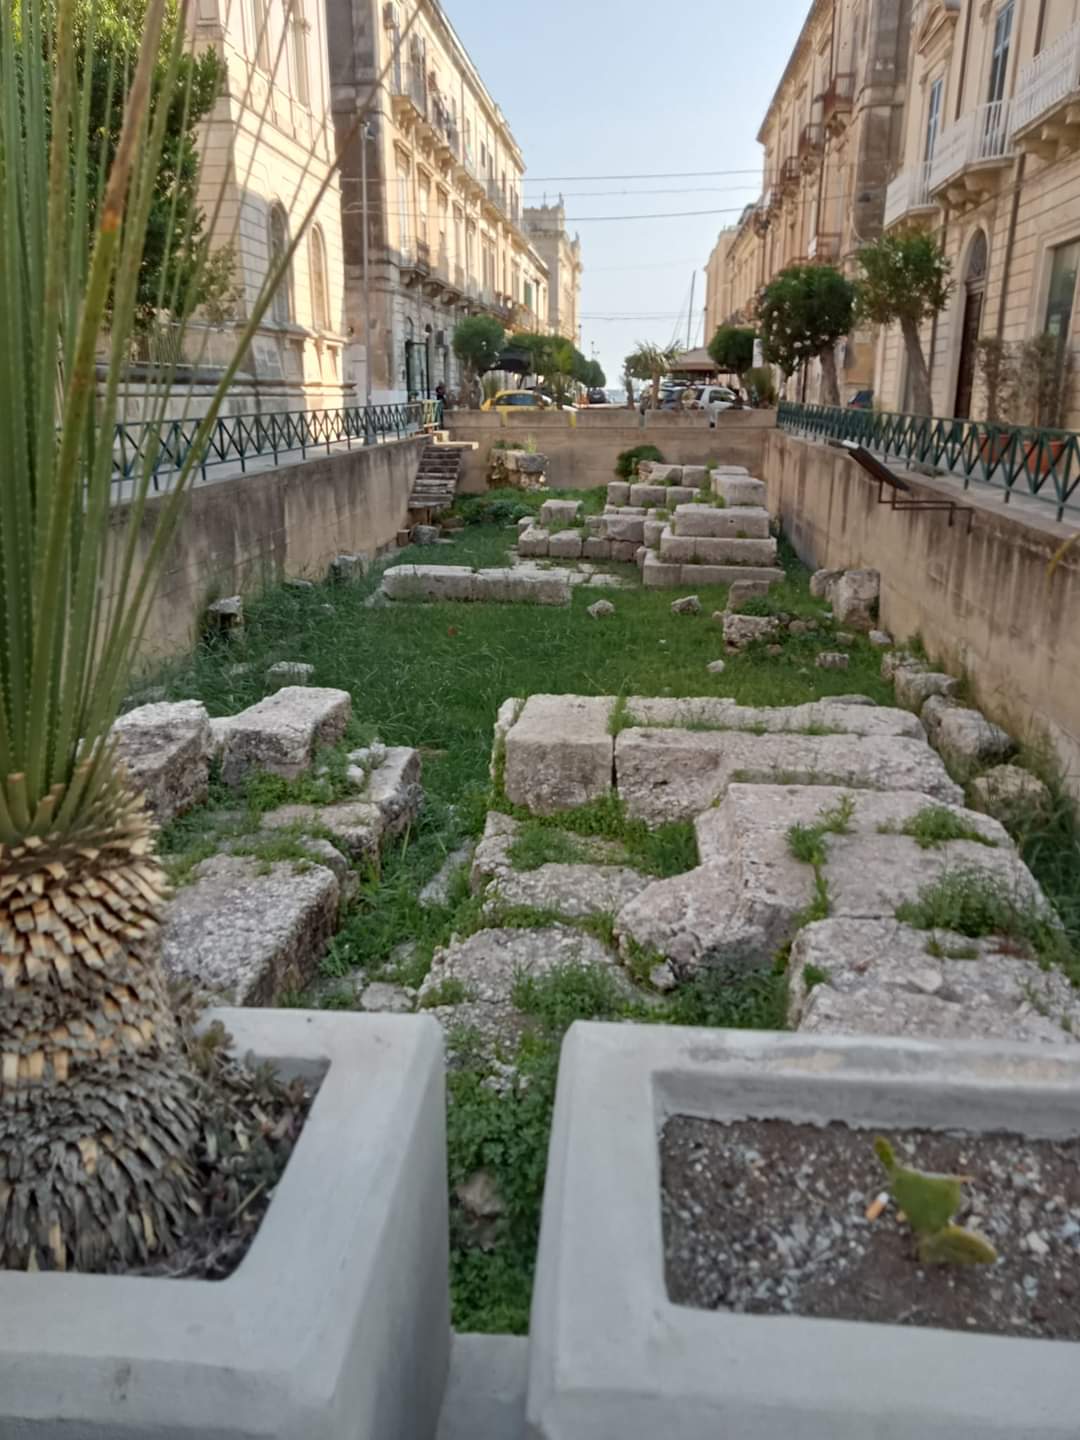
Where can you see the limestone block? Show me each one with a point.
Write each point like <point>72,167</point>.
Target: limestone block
<point>625,527</point>
<point>970,742</point>
<point>700,574</point>
<point>656,472</point>
<point>559,752</point>
<point>533,541</point>
<point>744,590</point>
<point>739,489</point>
<point>280,733</point>
<point>394,788</point>
<point>618,492</point>
<point>522,587</point>
<point>837,714</point>
<point>733,521</point>
<point>557,514</point>
<point>880,980</point>
<point>356,825</point>
<point>855,598</point>
<point>526,523</point>
<point>596,548</point>
<point>822,582</point>
<point>743,630</point>
<point>683,494</point>
<point>565,545</point>
<point>675,774</point>
<point>1012,795</point>
<point>594,524</point>
<point>246,936</point>
<point>914,687</point>
<point>429,582</point>
<point>710,550</point>
<point>505,717</point>
<point>695,476</point>
<point>675,549</point>
<point>650,494</point>
<point>651,532</point>
<point>572,891</point>
<point>931,713</point>
<point>624,550</point>
<point>656,575</point>
<point>425,534</point>
<point>289,672</point>
<point>166,749</point>
<point>639,556</point>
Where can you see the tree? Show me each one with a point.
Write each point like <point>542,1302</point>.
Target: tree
<point>101,1111</point>
<point>803,312</point>
<point>594,376</point>
<point>538,349</point>
<point>651,362</point>
<point>905,280</point>
<point>732,348</point>
<point>478,342</point>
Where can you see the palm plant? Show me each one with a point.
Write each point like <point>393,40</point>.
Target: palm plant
<point>651,362</point>
<point>99,1111</point>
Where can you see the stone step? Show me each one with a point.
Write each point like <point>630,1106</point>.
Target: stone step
<point>738,488</point>
<point>658,574</point>
<point>280,733</point>
<point>715,550</point>
<point>731,522</point>
<point>459,583</point>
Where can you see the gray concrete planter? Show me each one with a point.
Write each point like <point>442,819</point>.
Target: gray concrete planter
<point>336,1323</point>
<point>610,1355</point>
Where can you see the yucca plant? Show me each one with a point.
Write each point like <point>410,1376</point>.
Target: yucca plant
<point>99,1112</point>
<point>648,362</point>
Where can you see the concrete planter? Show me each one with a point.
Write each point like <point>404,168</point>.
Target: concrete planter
<point>611,1355</point>
<point>336,1323</point>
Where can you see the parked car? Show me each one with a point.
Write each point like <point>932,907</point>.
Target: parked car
<point>862,400</point>
<point>713,398</point>
<point>507,400</point>
<point>669,399</point>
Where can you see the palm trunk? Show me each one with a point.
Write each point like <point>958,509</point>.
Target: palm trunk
<point>830,387</point>
<point>920,375</point>
<point>656,392</point>
<point>100,1113</point>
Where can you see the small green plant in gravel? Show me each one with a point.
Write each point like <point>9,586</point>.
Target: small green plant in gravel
<point>930,1202</point>
<point>939,951</point>
<point>934,826</point>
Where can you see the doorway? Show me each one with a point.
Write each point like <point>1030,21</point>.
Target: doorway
<point>974,295</point>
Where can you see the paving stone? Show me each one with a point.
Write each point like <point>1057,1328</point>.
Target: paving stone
<point>720,713</point>
<point>430,582</point>
<point>533,541</point>
<point>356,824</point>
<point>393,787</point>
<point>436,893</point>
<point>559,752</point>
<point>489,964</point>
<point>739,489</point>
<point>656,575</point>
<point>688,605</point>
<point>832,660</point>
<point>246,933</point>
<point>969,741</point>
<point>822,582</point>
<point>745,590</point>
<point>855,598</point>
<point>1012,795</point>
<point>596,548</point>
<point>881,980</point>
<point>743,630</point>
<point>165,749</point>
<point>565,545</point>
<point>711,522</point>
<point>289,672</point>
<point>915,686</point>
<point>601,609</point>
<point>558,514</point>
<point>675,774</point>
<point>280,734</point>
<point>618,492</point>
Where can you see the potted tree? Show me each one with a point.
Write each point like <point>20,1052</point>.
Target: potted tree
<point>1045,368</point>
<point>997,366</point>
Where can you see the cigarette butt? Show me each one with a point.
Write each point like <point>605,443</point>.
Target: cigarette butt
<point>874,1209</point>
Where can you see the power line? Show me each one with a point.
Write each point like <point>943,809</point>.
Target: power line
<point>659,175</point>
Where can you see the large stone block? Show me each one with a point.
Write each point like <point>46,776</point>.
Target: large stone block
<point>747,522</point>
<point>969,741</point>
<point>625,550</point>
<point>651,533</point>
<point>565,545</point>
<point>522,587</point>
<point>393,787</point>
<point>165,749</point>
<point>356,825</point>
<point>596,548</point>
<point>683,494</point>
<point>618,492</point>
<point>280,733</point>
<point>556,514</point>
<point>676,774</point>
<point>656,575</point>
<point>816,716</point>
<point>559,752</point>
<point>430,582</point>
<point>695,476</point>
<point>656,472</point>
<point>739,489</point>
<point>914,686</point>
<point>246,933</point>
<point>704,550</point>
<point>822,582</point>
<point>533,541</point>
<point>855,598</point>
<point>629,528</point>
<point>648,495</point>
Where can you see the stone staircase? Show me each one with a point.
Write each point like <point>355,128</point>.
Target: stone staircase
<point>437,476</point>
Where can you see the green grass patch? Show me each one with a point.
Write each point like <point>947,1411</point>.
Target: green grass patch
<point>669,849</point>
<point>934,826</point>
<point>807,842</point>
<point>815,975</point>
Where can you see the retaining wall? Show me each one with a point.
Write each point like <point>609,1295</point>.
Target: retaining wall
<point>244,533</point>
<point>983,602</point>
<point>582,445</point>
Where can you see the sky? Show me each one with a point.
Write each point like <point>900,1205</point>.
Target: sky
<point>635,89</point>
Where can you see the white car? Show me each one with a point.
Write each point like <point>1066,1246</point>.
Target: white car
<point>714,398</point>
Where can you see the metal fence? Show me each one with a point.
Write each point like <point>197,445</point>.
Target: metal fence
<point>241,440</point>
<point>1018,460</point>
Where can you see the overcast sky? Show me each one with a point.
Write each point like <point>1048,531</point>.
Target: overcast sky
<point>635,88</point>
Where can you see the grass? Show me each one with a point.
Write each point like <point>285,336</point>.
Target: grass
<point>807,843</point>
<point>669,849</point>
<point>934,826</point>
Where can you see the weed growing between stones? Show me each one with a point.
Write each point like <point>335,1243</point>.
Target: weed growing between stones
<point>807,843</point>
<point>939,951</point>
<point>537,845</point>
<point>670,849</point>
<point>934,826</point>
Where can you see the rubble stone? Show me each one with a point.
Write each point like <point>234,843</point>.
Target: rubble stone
<point>822,582</point>
<point>280,733</point>
<point>165,749</point>
<point>832,660</point>
<point>600,609</point>
<point>688,605</point>
<point>1012,795</point>
<point>855,598</point>
<point>743,630</point>
<point>969,741</point>
<point>915,686</point>
<point>289,672</point>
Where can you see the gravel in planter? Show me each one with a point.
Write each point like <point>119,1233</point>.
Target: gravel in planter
<point>770,1218</point>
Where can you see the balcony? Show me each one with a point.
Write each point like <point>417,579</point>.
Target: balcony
<point>495,194</point>
<point>811,144</point>
<point>836,101</point>
<point>416,262</point>
<point>971,157</point>
<point>409,96</point>
<point>1045,115</point>
<point>824,248</point>
<point>908,196</point>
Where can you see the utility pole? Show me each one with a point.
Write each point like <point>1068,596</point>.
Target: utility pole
<point>690,312</point>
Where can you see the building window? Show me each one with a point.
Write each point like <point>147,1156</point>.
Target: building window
<point>301,78</point>
<point>278,245</point>
<point>425,208</point>
<point>933,116</point>
<point>320,295</point>
<point>260,40</point>
<point>999,61</point>
<point>1064,266</point>
<point>404,208</point>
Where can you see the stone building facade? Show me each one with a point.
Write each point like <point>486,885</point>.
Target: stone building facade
<point>546,225</point>
<point>445,229</point>
<point>267,147</point>
<point>718,281</point>
<point>991,165</point>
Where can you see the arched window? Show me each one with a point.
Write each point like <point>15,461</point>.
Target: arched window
<point>278,244</point>
<point>320,293</point>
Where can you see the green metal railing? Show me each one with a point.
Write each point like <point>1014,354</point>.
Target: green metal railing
<point>1043,464</point>
<point>242,439</point>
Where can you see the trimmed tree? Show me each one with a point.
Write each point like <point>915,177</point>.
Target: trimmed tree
<point>905,280</point>
<point>593,375</point>
<point>651,363</point>
<point>803,312</point>
<point>732,347</point>
<point>478,342</point>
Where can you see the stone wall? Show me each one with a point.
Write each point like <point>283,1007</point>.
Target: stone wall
<point>581,446</point>
<point>241,534</point>
<point>982,603</point>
